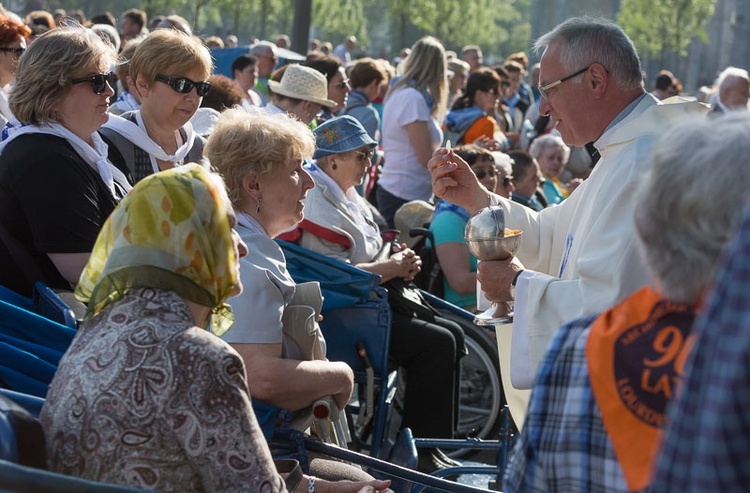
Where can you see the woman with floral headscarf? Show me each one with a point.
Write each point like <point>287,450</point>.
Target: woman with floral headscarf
<point>145,396</point>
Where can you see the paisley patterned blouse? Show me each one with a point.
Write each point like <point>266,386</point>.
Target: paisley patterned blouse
<point>145,398</point>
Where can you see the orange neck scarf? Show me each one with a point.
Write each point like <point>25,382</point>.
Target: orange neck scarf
<point>636,352</point>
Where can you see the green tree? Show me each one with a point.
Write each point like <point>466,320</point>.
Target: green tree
<point>405,15</point>
<point>661,26</point>
<point>495,25</point>
<point>337,19</point>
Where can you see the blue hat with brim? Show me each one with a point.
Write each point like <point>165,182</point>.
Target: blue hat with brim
<point>339,135</point>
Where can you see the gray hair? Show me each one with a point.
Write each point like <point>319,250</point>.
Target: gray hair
<point>504,162</point>
<point>732,72</point>
<point>587,40</point>
<point>681,232</point>
<point>544,142</point>
<point>262,48</point>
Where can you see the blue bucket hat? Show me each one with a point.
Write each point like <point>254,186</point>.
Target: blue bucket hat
<point>339,135</point>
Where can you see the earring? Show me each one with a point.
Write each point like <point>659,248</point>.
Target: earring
<point>257,211</point>
<point>334,166</point>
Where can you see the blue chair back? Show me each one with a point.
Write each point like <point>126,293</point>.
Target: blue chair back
<point>343,285</point>
<point>30,348</point>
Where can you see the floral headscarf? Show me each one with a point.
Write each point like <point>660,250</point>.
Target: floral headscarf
<point>170,232</point>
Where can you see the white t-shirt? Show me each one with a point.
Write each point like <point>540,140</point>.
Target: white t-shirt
<point>403,174</point>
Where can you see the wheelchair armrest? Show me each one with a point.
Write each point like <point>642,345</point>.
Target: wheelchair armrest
<point>414,232</point>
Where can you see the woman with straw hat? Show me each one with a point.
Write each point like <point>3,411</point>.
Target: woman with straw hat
<point>302,93</point>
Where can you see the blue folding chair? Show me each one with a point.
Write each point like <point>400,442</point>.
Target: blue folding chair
<point>30,348</point>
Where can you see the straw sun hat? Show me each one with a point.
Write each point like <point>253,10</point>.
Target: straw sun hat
<point>303,83</point>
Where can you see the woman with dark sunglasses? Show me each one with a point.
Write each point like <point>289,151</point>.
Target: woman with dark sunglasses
<point>448,224</point>
<point>13,36</point>
<point>471,120</point>
<point>170,70</point>
<point>56,185</point>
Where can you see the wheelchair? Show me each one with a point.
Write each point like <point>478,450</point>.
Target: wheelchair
<point>482,395</point>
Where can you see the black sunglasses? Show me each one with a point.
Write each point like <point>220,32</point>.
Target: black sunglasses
<point>505,83</point>
<point>184,85</point>
<point>18,51</point>
<point>98,81</point>
<point>506,181</point>
<point>482,174</point>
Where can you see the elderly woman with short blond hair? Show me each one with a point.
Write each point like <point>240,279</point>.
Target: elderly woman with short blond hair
<point>260,157</point>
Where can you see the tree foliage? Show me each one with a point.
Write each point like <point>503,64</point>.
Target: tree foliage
<point>492,24</point>
<point>338,19</point>
<point>660,26</point>
<point>498,26</point>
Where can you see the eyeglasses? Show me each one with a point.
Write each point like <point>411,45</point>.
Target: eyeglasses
<point>17,51</point>
<point>482,173</point>
<point>364,156</point>
<point>98,81</point>
<point>184,85</point>
<point>543,89</point>
<point>507,180</point>
<point>342,84</point>
<point>505,83</point>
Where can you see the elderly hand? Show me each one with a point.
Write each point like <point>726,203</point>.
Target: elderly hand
<point>496,276</point>
<point>407,263</point>
<point>453,180</point>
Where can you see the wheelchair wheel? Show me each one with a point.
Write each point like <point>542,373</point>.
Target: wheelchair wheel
<point>481,391</point>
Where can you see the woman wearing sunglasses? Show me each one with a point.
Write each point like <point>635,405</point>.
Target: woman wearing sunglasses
<point>339,224</point>
<point>170,69</point>
<point>471,120</point>
<point>13,37</point>
<point>56,185</point>
<point>448,225</point>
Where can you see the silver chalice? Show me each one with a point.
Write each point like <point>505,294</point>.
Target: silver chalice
<point>489,239</point>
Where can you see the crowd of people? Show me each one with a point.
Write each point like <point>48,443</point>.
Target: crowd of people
<point>132,174</point>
